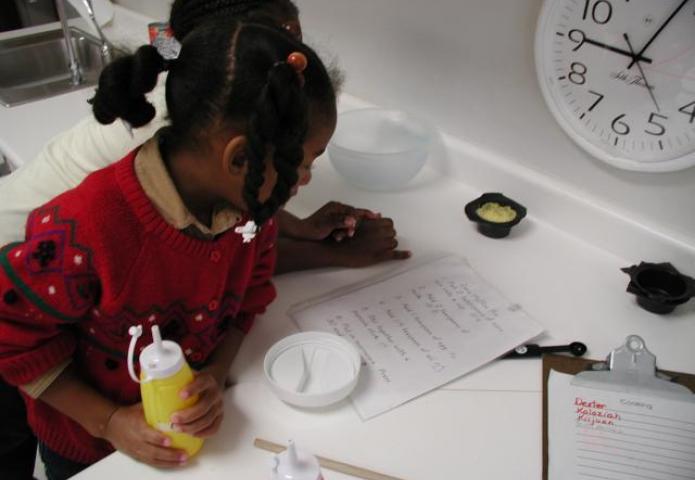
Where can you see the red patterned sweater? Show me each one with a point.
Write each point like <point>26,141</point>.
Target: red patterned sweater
<point>100,258</point>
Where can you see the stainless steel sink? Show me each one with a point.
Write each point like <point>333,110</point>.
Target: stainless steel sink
<point>33,67</point>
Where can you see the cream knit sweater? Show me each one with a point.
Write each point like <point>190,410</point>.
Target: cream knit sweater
<point>67,160</point>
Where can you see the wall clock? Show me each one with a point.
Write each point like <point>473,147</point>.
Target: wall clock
<point>619,77</point>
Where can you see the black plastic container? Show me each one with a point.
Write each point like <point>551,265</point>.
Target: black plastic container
<point>659,287</point>
<point>489,228</point>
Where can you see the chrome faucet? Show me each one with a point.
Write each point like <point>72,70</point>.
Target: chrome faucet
<point>74,64</point>
<point>106,48</point>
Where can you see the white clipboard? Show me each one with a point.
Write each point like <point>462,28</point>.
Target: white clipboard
<point>618,419</point>
<point>631,368</point>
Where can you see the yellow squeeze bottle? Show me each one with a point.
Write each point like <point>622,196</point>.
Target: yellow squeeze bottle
<point>163,373</point>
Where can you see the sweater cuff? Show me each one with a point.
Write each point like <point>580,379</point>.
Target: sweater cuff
<point>25,368</point>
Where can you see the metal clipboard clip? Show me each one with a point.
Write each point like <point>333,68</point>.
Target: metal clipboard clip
<point>631,369</point>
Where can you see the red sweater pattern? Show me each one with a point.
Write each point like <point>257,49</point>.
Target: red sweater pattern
<point>99,259</point>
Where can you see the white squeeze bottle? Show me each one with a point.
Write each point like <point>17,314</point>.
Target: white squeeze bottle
<point>163,373</point>
<point>294,464</point>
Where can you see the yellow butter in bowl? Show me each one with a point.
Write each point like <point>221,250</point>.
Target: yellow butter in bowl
<point>494,212</point>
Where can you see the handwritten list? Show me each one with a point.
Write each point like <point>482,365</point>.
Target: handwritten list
<point>418,329</point>
<point>598,434</point>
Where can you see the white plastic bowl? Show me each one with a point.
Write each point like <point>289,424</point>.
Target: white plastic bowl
<point>312,369</point>
<point>379,150</point>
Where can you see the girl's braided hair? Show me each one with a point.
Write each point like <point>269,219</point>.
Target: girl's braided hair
<point>187,14</point>
<point>235,74</point>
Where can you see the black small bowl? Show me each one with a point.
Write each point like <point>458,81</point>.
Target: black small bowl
<point>494,229</point>
<point>659,287</point>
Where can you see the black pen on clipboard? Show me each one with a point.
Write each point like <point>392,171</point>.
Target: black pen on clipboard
<point>533,350</point>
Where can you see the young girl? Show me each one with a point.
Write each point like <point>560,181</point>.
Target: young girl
<point>180,233</point>
<point>304,243</point>
<point>67,159</point>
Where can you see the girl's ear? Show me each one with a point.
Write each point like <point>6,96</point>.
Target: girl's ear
<point>234,156</point>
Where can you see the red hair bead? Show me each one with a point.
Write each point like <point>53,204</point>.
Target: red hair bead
<point>298,61</point>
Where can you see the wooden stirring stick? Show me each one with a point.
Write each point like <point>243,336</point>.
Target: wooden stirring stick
<point>329,464</point>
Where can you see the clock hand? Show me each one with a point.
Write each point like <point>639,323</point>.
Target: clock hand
<point>639,65</point>
<point>656,34</point>
<point>632,55</point>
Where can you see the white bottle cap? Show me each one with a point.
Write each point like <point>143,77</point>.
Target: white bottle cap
<point>160,359</point>
<point>294,464</point>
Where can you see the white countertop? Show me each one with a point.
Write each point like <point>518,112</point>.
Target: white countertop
<point>487,425</point>
<point>484,425</point>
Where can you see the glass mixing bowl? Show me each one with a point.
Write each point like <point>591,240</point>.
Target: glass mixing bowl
<point>378,149</point>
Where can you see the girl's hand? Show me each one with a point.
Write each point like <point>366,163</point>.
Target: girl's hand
<point>374,242</point>
<point>204,418</point>
<point>333,219</point>
<point>129,433</point>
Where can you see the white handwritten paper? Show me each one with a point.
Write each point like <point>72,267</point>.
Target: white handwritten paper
<point>605,435</point>
<point>418,329</point>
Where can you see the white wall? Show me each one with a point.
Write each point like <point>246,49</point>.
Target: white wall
<point>468,66</point>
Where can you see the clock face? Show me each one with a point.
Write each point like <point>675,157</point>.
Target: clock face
<point>619,77</point>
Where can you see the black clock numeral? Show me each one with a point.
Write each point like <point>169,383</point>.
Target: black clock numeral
<point>598,100</point>
<point>689,109</point>
<point>576,36</point>
<point>660,129</point>
<point>601,12</point>
<point>577,73</point>
<point>620,127</point>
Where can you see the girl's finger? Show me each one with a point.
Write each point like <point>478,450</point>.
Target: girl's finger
<point>166,457</point>
<point>201,424</point>
<point>334,206</point>
<point>364,213</point>
<point>400,254</point>
<point>205,404</point>
<point>336,220</point>
<point>386,222</point>
<point>212,429</point>
<point>155,437</point>
<point>201,383</point>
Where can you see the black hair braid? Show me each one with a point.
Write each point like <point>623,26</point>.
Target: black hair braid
<point>234,74</point>
<point>279,121</point>
<point>123,85</point>
<point>187,14</point>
